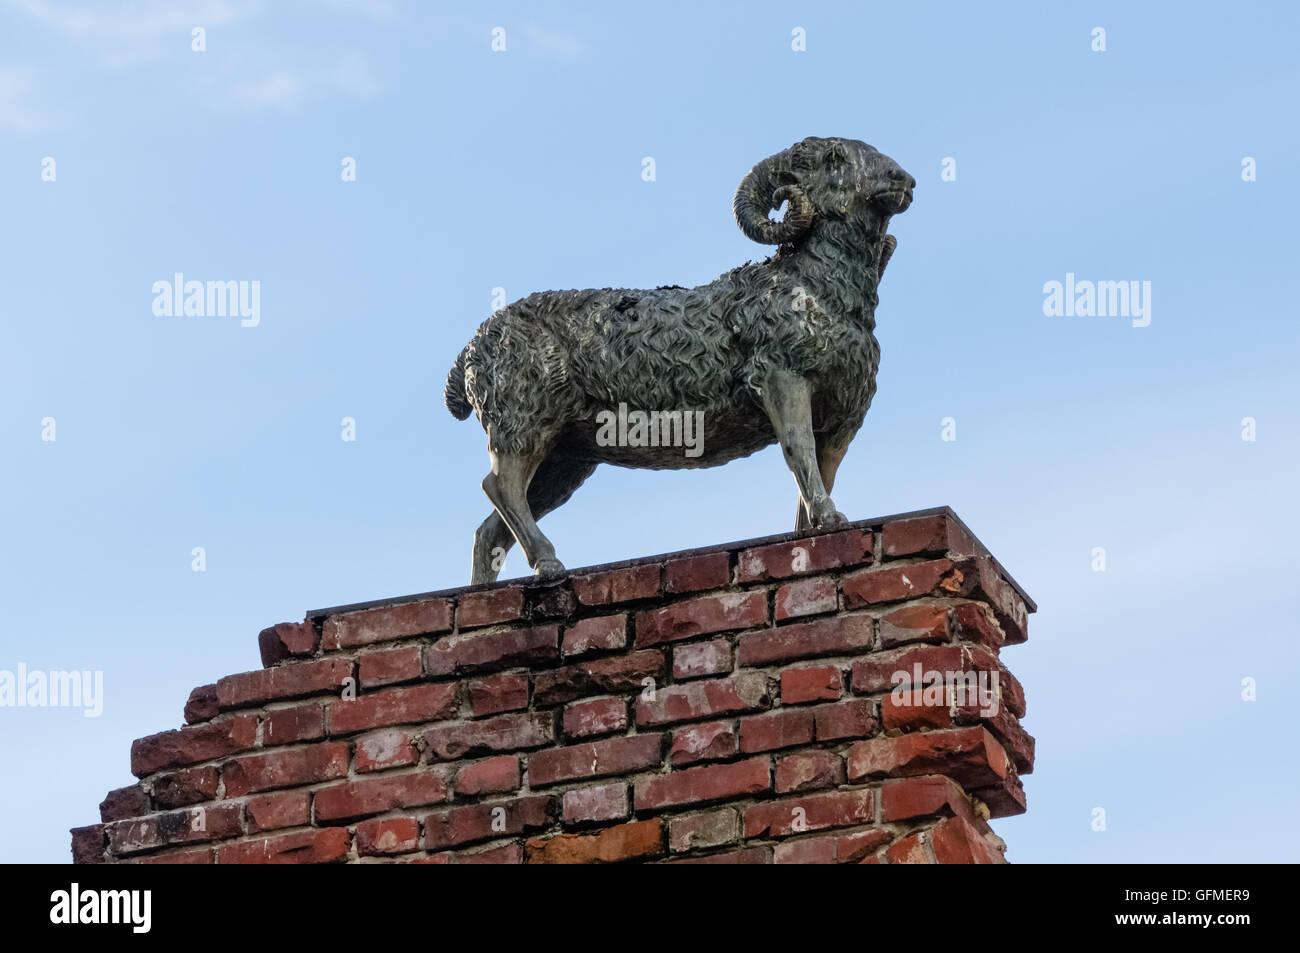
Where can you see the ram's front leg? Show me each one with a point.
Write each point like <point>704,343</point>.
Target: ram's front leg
<point>787,398</point>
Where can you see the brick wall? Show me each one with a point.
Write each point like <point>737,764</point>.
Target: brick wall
<point>735,704</point>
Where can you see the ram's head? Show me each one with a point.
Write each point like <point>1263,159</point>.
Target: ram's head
<point>835,179</point>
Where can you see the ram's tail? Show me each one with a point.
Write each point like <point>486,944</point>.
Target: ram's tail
<point>454,392</point>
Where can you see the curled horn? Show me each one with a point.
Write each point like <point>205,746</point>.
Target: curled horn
<point>759,193</point>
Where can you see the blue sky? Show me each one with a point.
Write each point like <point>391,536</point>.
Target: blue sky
<point>522,169</point>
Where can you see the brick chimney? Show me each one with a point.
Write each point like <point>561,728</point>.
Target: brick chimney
<point>833,697</point>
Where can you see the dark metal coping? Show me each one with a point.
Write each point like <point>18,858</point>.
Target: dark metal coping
<point>315,615</point>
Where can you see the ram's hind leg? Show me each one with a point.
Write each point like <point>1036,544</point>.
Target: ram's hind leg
<point>507,487</point>
<point>828,463</point>
<point>491,543</point>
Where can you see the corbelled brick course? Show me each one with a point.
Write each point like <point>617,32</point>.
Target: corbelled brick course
<point>796,699</point>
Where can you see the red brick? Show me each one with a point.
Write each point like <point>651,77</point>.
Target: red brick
<point>702,615</point>
<point>1004,799</point>
<point>608,676</point>
<point>287,767</point>
<point>393,706</point>
<point>806,850</point>
<point>821,683</point>
<point>813,812</point>
<point>956,841</point>
<point>925,535</point>
<point>385,624</point>
<point>638,839</point>
<point>703,830</point>
<point>909,850</point>
<point>908,798</point>
<point>707,742</point>
<point>355,799</point>
<point>840,635</point>
<point>123,803</point>
<point>186,786</point>
<point>782,728</point>
<point>598,716</point>
<point>750,855</point>
<point>702,658</point>
<point>886,671</point>
<point>268,812</point>
<point>511,853</point>
<point>710,782</point>
<point>293,680</point>
<point>513,732</point>
<point>898,715</point>
<point>808,554</point>
<point>214,822</point>
<point>387,748</point>
<point>287,640</point>
<point>704,699</point>
<point>389,666</point>
<point>184,746</point>
<point>478,822</point>
<point>970,756</point>
<point>595,759</point>
<point>617,585</point>
<point>192,855</point>
<point>489,606</point>
<point>88,844</point>
<point>393,835</point>
<point>806,597</point>
<point>490,776</point>
<point>325,846</point>
<point>809,771</point>
<point>602,632</point>
<point>853,848</point>
<point>484,651</point>
<point>202,705</point>
<point>696,573</point>
<point>286,725</point>
<point>973,622</point>
<point>605,802</point>
<point>903,582</point>
<point>497,693</point>
<point>921,623</point>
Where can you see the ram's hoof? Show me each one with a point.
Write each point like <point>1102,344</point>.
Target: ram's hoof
<point>547,568</point>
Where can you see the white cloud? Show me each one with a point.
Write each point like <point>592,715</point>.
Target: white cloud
<point>290,89</point>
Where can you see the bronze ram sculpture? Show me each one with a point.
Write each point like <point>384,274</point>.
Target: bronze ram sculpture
<point>779,350</point>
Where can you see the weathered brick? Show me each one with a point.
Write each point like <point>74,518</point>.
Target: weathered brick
<point>477,822</point>
<point>598,633</point>
<point>925,536</point>
<point>811,554</point>
<point>368,626</point>
<point>850,719</point>
<point>213,822</point>
<point>806,850</point>
<point>286,725</point>
<point>191,745</point>
<point>806,597</point>
<point>186,786</point>
<point>637,839</point>
<point>704,699</point>
<point>956,841</point>
<point>720,612</point>
<point>489,606</point>
<point>292,680</point>
<point>604,802</point>
<point>617,585</point>
<point>594,759</point>
<point>808,771</point>
<point>190,855</point>
<point>88,844</point>
<point>493,694</point>
<point>705,742</point>
<point>287,640</point>
<point>703,830</point>
<point>511,853</point>
<point>710,782</point>
<point>910,850</point>
<point>324,846</point>
<point>287,767</point>
<point>908,798</point>
<point>874,586</point>
<point>839,635</point>
<point>854,847</point>
<point>355,799</point>
<point>782,728</point>
<point>486,651</point>
<point>920,623</point>
<point>393,835</point>
<point>607,676</point>
<point>268,812</point>
<point>909,668</point>
<point>202,705</point>
<point>386,748</point>
<point>813,812</point>
<point>819,683</point>
<point>697,573</point>
<point>750,855</point>
<point>393,706</point>
<point>389,666</point>
<point>973,622</point>
<point>512,732</point>
<point>124,802</point>
<point>701,658</point>
<point>971,756</point>
<point>596,716</point>
<point>490,776</point>
<point>903,715</point>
